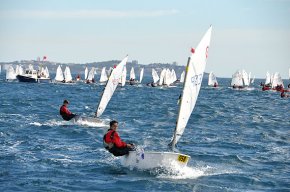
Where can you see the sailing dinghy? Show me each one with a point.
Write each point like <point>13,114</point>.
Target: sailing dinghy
<point>193,78</point>
<point>104,77</point>
<point>212,80</point>
<point>110,87</point>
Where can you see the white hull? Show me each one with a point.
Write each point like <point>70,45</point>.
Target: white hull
<point>79,118</point>
<point>151,160</point>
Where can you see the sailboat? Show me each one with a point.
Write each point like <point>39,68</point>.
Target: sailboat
<point>132,80</point>
<point>91,76</point>
<point>10,73</point>
<point>141,75</point>
<point>111,86</point>
<point>193,78</point>
<point>67,75</point>
<point>43,77</point>
<point>267,85</point>
<point>59,75</point>
<point>173,76</point>
<point>155,78</point>
<point>277,82</point>
<point>107,94</point>
<point>167,78</point>
<point>239,80</point>
<point>86,73</point>
<point>212,80</point>
<point>104,77</point>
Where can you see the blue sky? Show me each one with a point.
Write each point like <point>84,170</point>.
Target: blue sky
<point>247,34</point>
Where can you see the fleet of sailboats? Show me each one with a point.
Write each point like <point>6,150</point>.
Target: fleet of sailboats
<point>273,82</point>
<point>191,79</point>
<point>240,80</point>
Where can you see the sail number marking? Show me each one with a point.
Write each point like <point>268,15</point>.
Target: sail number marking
<point>196,80</point>
<point>182,158</point>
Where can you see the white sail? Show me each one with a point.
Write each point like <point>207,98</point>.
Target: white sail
<point>289,72</point>
<point>86,73</point>
<point>268,78</point>
<point>182,76</point>
<point>111,86</point>
<point>104,76</point>
<point>67,74</point>
<point>253,79</point>
<point>162,75</point>
<point>155,76</point>
<point>237,79</point>
<point>249,78</point>
<point>193,78</point>
<point>132,74</point>
<point>277,80</point>
<point>91,75</point>
<point>272,78</point>
<point>46,72</point>
<point>59,74</point>
<point>245,78</point>
<point>10,73</point>
<point>17,70</point>
<point>212,79</point>
<point>167,77</point>
<point>173,76</point>
<point>141,75</point>
<point>123,77</point>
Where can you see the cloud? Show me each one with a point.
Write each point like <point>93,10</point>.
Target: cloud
<point>84,14</point>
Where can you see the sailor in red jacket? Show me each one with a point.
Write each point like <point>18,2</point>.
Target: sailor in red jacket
<point>64,112</point>
<point>113,143</point>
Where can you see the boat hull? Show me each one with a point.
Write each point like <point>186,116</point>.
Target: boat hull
<point>132,82</point>
<point>151,160</point>
<point>23,78</point>
<point>44,80</point>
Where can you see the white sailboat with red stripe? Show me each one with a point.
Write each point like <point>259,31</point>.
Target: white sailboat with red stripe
<point>193,78</point>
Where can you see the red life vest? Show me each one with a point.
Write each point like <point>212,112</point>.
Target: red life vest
<point>108,139</point>
<point>64,111</point>
<point>112,139</point>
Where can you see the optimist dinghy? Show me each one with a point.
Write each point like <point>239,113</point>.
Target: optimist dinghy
<point>193,78</point>
<point>108,92</point>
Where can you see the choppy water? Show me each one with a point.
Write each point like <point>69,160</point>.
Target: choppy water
<point>238,140</point>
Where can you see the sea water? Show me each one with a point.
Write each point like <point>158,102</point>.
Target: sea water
<point>237,140</point>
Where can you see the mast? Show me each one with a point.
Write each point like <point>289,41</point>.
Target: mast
<point>173,142</point>
<point>193,79</point>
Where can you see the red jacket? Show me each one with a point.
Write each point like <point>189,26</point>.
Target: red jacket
<point>64,111</point>
<point>116,140</point>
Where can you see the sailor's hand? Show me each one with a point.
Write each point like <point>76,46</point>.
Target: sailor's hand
<point>130,145</point>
